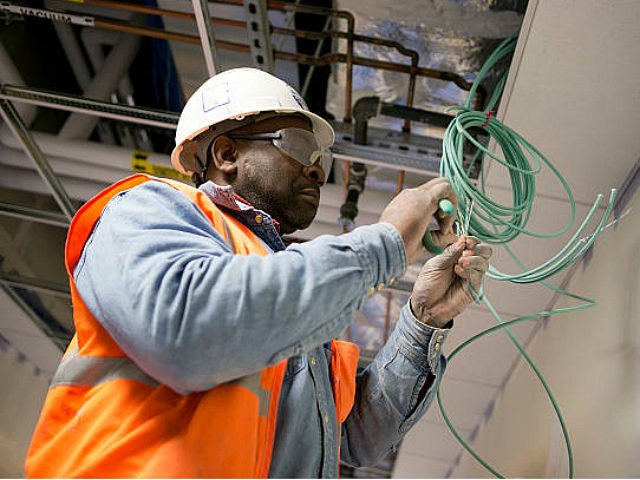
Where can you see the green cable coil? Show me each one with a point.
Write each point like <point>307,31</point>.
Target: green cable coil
<point>498,224</point>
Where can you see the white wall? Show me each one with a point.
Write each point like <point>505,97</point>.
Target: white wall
<point>24,387</point>
<point>573,92</point>
<point>591,360</point>
<point>28,359</point>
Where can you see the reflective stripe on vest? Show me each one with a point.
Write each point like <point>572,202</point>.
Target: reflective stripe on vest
<point>254,385</point>
<point>92,371</point>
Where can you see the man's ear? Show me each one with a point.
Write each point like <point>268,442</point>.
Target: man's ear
<point>224,155</point>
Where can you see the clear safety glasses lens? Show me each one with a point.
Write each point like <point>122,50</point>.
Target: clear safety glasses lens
<point>297,143</point>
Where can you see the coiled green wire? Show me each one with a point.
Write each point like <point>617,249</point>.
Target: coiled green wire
<point>499,224</point>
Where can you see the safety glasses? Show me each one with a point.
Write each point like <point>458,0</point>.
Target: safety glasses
<point>297,143</point>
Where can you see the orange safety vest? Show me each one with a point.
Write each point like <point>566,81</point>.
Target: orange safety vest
<point>104,417</point>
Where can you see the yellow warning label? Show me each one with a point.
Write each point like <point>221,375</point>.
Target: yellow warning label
<point>140,163</point>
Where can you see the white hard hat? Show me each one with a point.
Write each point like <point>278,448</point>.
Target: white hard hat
<point>234,95</point>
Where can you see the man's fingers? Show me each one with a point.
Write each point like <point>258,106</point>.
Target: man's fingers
<point>446,221</point>
<point>443,239</point>
<point>474,263</point>
<point>432,183</point>
<point>475,280</point>
<point>482,250</point>
<point>471,242</point>
<point>440,188</point>
<point>474,277</point>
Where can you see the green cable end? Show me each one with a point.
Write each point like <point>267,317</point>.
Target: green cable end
<point>446,206</point>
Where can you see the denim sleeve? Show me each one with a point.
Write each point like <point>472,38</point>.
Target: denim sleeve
<point>166,287</point>
<point>394,391</point>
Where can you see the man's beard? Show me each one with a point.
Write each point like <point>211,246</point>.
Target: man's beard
<point>283,204</point>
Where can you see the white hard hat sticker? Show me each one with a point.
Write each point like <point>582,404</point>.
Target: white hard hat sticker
<point>215,97</point>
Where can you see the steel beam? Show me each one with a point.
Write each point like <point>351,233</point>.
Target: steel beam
<point>259,31</point>
<point>74,103</point>
<point>19,129</point>
<point>203,20</point>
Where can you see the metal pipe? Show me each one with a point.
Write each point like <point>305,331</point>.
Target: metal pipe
<point>103,84</point>
<point>349,80</point>
<point>19,129</point>
<point>131,7</point>
<point>305,59</point>
<point>201,10</point>
<point>308,35</point>
<point>33,214</point>
<point>381,64</point>
<point>348,58</point>
<point>347,177</point>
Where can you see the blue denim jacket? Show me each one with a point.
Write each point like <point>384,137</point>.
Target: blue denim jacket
<point>167,288</point>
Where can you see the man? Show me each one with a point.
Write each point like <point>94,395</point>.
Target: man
<point>204,346</point>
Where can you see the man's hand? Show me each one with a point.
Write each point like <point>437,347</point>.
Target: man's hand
<point>441,291</point>
<point>411,210</point>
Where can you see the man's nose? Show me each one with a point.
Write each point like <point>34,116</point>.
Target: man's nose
<point>315,173</point>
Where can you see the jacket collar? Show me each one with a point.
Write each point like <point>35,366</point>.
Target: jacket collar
<point>224,196</point>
